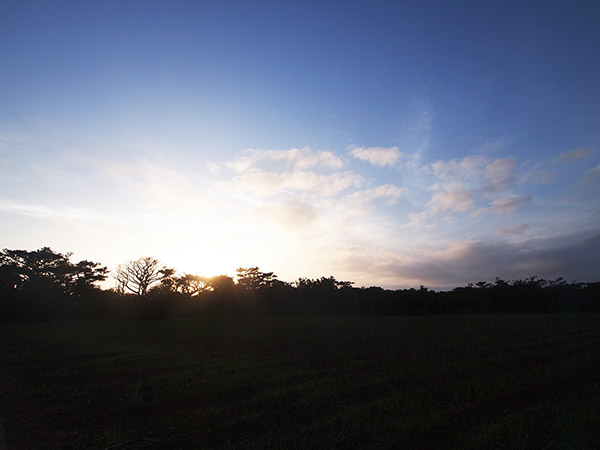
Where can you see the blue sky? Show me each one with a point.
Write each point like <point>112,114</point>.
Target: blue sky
<point>388,143</point>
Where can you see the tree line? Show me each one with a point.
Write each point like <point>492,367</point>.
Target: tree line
<point>44,284</point>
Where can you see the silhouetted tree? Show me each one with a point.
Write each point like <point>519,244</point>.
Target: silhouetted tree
<point>221,284</point>
<point>138,276</point>
<point>168,280</point>
<point>46,270</point>
<point>322,284</point>
<point>252,278</point>
<point>192,284</point>
<point>185,284</point>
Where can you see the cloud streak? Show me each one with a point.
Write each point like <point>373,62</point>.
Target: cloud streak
<point>573,155</point>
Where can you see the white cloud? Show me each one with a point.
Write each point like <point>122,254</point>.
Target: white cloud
<point>295,172</point>
<point>256,182</point>
<point>389,191</point>
<point>477,172</point>
<point>267,184</point>
<point>466,184</point>
<point>456,200</point>
<point>289,213</point>
<point>322,185</point>
<point>290,160</point>
<point>378,156</point>
<point>468,167</point>
<point>304,158</point>
<point>265,205</point>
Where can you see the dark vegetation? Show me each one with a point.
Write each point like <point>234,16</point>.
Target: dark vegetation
<point>304,382</point>
<point>314,364</point>
<point>44,284</point>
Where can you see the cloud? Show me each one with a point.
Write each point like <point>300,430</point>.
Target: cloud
<point>389,191</point>
<point>272,173</point>
<point>477,172</point>
<point>593,173</point>
<point>256,182</point>
<point>591,180</point>
<point>539,174</point>
<point>467,185</point>
<point>322,185</point>
<point>499,175</point>
<point>378,156</point>
<point>508,205</point>
<point>456,200</point>
<point>512,230</point>
<point>453,170</point>
<point>573,256</point>
<point>573,155</point>
<point>289,160</point>
<point>268,184</point>
<point>290,213</point>
<point>505,205</point>
<point>551,171</point>
<point>56,212</point>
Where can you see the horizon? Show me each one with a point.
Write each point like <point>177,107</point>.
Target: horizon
<point>388,145</point>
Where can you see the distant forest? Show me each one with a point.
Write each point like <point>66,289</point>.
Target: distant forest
<point>44,284</point>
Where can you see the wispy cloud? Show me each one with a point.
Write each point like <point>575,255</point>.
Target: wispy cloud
<point>593,173</point>
<point>269,184</point>
<point>573,155</point>
<point>458,170</point>
<point>387,191</point>
<point>474,184</point>
<point>450,198</point>
<point>378,156</point>
<point>505,205</point>
<point>461,262</point>
<point>499,175</point>
<point>512,230</point>
<point>489,177</point>
<point>66,213</point>
<point>539,174</point>
<point>551,171</point>
<point>290,160</point>
<point>291,213</point>
<point>261,206</point>
<point>508,205</point>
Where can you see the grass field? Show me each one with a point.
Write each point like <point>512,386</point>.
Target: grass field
<point>505,382</point>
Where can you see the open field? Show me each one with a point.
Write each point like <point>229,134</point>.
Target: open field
<point>506,381</point>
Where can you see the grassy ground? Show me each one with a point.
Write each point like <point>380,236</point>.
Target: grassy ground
<point>502,382</point>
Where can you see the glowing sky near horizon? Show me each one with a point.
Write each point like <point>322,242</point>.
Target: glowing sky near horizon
<point>387,143</point>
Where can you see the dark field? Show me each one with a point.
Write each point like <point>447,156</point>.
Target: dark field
<point>507,381</point>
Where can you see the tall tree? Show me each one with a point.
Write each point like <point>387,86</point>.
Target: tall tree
<point>192,284</point>
<point>220,284</point>
<point>252,278</point>
<point>140,275</point>
<point>47,270</point>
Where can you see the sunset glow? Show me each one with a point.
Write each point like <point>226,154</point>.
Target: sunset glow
<point>390,145</point>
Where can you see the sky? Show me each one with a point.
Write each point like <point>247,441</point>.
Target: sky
<point>394,144</point>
